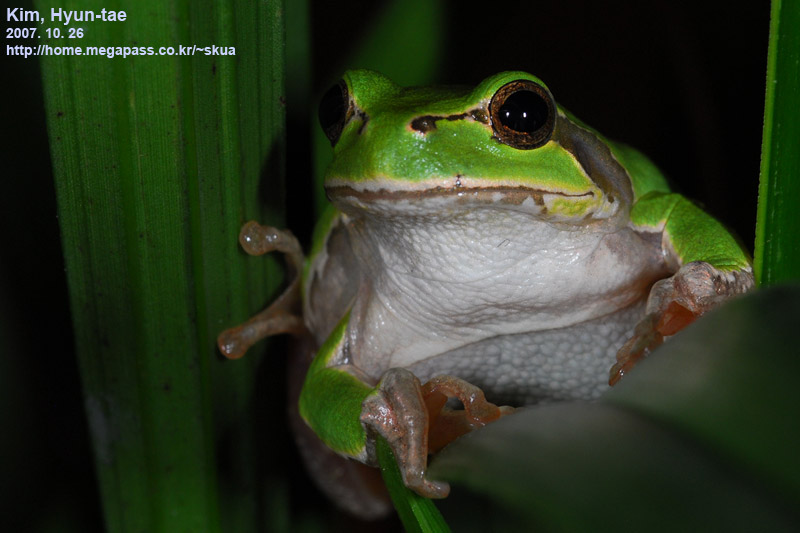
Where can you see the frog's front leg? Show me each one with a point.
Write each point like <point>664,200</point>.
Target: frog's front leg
<point>713,268</point>
<point>283,315</point>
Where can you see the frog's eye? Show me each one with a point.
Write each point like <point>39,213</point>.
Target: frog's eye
<point>523,114</point>
<point>334,111</point>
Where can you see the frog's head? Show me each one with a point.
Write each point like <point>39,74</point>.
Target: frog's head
<point>504,143</point>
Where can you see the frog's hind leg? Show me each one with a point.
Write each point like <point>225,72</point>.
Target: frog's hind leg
<point>353,486</point>
<point>284,314</point>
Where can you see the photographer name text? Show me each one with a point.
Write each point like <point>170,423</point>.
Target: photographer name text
<point>64,16</point>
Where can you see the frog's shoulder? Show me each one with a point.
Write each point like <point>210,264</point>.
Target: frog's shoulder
<point>645,175</point>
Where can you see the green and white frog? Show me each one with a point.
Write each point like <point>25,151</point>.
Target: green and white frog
<point>481,244</point>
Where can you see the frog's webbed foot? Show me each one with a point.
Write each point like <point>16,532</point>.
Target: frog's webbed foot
<point>396,411</point>
<point>408,414</point>
<point>674,303</point>
<point>283,315</point>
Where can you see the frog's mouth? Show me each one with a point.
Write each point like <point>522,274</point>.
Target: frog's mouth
<point>377,197</point>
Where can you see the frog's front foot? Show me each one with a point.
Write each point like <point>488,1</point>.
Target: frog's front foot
<point>283,315</point>
<point>411,416</point>
<point>674,303</point>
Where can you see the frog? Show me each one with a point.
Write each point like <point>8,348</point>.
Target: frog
<point>483,250</point>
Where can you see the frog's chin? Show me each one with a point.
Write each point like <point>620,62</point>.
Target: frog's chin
<point>438,199</point>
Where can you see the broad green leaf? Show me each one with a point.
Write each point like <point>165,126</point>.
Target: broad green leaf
<point>158,160</point>
<point>703,435</point>
<point>730,384</point>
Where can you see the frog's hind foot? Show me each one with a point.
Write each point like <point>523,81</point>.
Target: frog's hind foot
<point>446,424</point>
<point>674,303</point>
<point>646,338</point>
<point>397,412</point>
<point>283,315</point>
<point>415,421</point>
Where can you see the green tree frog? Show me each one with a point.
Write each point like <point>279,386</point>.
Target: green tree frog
<point>483,247</point>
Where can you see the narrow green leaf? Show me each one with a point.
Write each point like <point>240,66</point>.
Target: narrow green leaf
<point>701,436</point>
<point>777,250</point>
<point>158,159</point>
<point>418,514</point>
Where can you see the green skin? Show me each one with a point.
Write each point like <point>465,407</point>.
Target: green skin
<point>401,147</point>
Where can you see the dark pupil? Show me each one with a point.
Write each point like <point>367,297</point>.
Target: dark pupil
<point>332,108</point>
<point>524,111</point>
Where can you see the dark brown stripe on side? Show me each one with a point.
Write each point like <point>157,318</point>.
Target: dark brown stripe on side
<point>596,159</point>
<point>426,123</point>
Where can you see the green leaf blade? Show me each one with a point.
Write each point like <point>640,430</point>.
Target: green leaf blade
<point>731,392</point>
<point>700,436</point>
<point>418,514</point>
<point>777,250</point>
<point>157,161</point>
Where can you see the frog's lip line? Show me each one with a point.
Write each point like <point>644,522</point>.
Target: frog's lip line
<point>514,194</point>
<point>457,186</point>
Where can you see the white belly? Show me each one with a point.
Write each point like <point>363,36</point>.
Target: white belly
<point>561,364</point>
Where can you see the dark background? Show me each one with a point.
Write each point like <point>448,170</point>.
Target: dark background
<point>682,81</point>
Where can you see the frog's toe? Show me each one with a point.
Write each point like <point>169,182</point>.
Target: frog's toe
<point>429,488</point>
<point>446,425</point>
<point>234,342</point>
<point>257,239</point>
<point>646,338</point>
<point>674,303</point>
